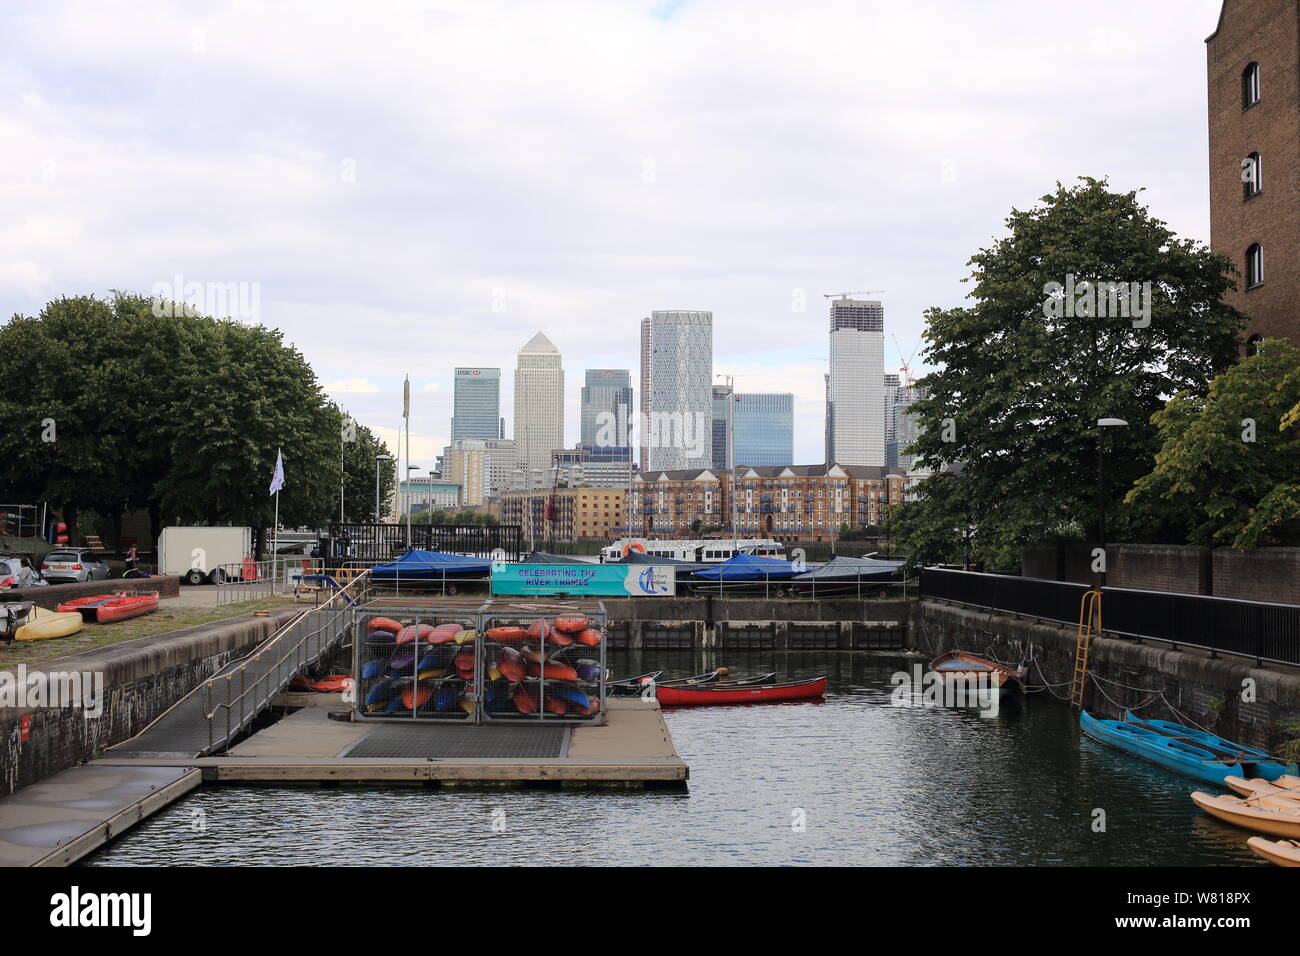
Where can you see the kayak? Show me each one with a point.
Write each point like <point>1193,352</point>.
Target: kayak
<point>1185,758</point>
<point>685,696</point>
<point>88,607</point>
<point>1280,817</point>
<point>1260,788</point>
<point>1281,852</point>
<point>125,605</point>
<point>43,625</point>
<point>1260,761</point>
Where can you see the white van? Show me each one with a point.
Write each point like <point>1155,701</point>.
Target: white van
<point>196,554</point>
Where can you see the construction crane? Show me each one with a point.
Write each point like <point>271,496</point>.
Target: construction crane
<point>906,363</point>
<point>845,295</point>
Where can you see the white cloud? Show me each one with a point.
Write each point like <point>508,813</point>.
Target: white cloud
<point>350,386</point>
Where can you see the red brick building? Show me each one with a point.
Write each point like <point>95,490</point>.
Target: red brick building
<point>1253,73</point>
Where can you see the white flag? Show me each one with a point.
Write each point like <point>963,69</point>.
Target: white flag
<point>277,480</point>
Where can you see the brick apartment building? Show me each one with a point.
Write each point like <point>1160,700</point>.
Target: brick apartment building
<point>786,502</point>
<point>579,512</point>
<point>1253,75</point>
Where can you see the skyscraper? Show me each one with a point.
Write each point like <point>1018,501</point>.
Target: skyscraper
<point>643,458</point>
<point>722,421</point>
<point>607,413</point>
<point>679,431</point>
<point>764,428</point>
<point>539,408</point>
<point>855,391</point>
<point>893,384</point>
<point>476,404</point>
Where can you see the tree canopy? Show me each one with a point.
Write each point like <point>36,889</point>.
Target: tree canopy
<point>1024,372</point>
<point>110,406</point>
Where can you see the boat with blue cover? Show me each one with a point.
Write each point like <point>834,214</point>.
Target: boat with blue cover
<point>1170,752</point>
<point>1258,763</point>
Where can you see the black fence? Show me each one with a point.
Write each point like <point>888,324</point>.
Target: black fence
<point>369,544</point>
<point>1266,632</point>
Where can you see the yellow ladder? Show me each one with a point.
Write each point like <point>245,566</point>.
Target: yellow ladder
<point>1089,626</point>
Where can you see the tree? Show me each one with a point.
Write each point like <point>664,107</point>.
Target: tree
<point>1025,371</point>
<point>1228,469</point>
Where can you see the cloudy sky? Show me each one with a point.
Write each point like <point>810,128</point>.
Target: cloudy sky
<point>409,186</point>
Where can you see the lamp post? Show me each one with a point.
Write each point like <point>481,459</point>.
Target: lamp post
<point>378,459</point>
<point>409,468</point>
<point>1102,425</point>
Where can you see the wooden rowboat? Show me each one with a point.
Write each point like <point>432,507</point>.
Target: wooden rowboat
<point>960,666</point>
<point>687,696</point>
<point>1281,852</point>
<point>1278,816</point>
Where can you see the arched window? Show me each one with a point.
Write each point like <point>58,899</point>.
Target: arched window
<point>1252,175</point>
<point>1254,265</point>
<point>1252,344</point>
<point>1250,86</point>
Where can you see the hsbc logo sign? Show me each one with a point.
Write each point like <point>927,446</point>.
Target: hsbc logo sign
<point>469,371</point>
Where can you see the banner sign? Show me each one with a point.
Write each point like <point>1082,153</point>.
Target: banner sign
<point>581,580</point>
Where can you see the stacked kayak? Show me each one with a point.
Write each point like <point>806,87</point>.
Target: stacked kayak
<point>106,608</point>
<point>543,668</point>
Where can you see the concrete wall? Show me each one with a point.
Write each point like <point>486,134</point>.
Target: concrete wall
<point>142,678</point>
<point>1209,691</point>
<point>50,595</point>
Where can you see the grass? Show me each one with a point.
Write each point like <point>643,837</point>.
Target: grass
<point>103,635</point>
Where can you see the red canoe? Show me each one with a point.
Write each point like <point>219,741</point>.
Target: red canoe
<point>759,694</point>
<point>127,605</point>
<point>88,606</point>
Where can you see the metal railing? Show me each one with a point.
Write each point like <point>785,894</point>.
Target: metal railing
<point>1257,629</point>
<point>249,686</point>
<point>250,580</point>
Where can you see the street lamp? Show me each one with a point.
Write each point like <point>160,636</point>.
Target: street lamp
<point>378,459</point>
<point>409,469</point>
<point>1102,425</point>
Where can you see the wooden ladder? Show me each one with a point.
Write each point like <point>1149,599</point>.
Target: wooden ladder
<point>1089,627</point>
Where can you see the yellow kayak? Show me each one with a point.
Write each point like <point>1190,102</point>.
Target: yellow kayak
<point>1279,816</point>
<point>1281,852</point>
<point>42,625</point>
<point>1255,787</point>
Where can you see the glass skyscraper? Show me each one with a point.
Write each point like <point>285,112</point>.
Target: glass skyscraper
<point>607,413</point>
<point>476,404</point>
<point>722,413</point>
<point>764,428</point>
<point>679,433</point>
<point>855,388</point>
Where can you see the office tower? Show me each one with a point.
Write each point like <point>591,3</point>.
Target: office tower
<point>539,408</point>
<point>499,464</point>
<point>476,404</point>
<point>764,428</point>
<point>607,413</point>
<point>893,386</point>
<point>855,403</point>
<point>465,463</point>
<point>643,457</point>
<point>723,459</point>
<point>909,428</point>
<point>679,432</point>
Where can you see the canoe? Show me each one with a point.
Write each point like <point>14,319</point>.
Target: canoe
<point>1173,754</point>
<point>960,666</point>
<point>692,696</point>
<point>124,606</point>
<point>630,686</point>
<point>1264,814</point>
<point>1258,763</point>
<point>42,625</point>
<point>88,607</point>
<point>1256,787</point>
<point>1281,852</point>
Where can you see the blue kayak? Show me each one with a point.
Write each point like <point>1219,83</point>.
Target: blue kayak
<point>1184,758</point>
<point>1261,762</point>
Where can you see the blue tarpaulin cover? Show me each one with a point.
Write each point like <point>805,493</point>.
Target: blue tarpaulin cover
<point>430,564</point>
<point>748,567</point>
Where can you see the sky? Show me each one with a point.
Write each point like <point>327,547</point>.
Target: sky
<point>405,187</point>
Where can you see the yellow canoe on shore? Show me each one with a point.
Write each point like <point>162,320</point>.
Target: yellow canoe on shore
<point>1279,816</point>
<point>42,625</point>
<point>1281,852</point>
<point>1255,787</point>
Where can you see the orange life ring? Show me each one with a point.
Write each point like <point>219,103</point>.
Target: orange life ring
<point>634,546</point>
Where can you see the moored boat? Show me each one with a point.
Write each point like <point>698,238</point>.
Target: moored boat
<point>959,666</point>
<point>691,696</point>
<point>1169,752</point>
<point>1255,787</point>
<point>1281,852</point>
<point>127,605</point>
<point>1257,763</point>
<point>1280,817</point>
<point>87,607</point>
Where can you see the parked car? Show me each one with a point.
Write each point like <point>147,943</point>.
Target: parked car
<point>18,573</point>
<point>71,565</point>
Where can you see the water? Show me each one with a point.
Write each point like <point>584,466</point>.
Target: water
<point>871,783</point>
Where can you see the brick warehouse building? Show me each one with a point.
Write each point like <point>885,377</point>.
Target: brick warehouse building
<point>581,512</point>
<point>787,502</point>
<point>1253,74</point>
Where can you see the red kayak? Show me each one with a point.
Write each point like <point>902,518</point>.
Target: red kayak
<point>88,606</point>
<point>106,608</point>
<point>758,694</point>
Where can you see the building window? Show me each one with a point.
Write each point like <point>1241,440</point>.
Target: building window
<point>1252,344</point>
<point>1252,176</point>
<point>1250,86</point>
<point>1254,265</point>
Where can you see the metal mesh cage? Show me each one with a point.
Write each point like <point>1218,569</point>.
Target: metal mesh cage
<point>416,664</point>
<point>544,663</point>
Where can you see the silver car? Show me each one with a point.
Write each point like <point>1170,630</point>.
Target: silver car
<point>71,565</point>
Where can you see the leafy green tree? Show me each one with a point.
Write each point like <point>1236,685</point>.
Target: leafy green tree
<point>1024,372</point>
<point>1228,469</point>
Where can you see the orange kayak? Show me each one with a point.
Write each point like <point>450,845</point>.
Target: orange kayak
<point>507,634</point>
<point>570,623</point>
<point>553,670</point>
<point>383,624</point>
<point>510,664</point>
<point>416,695</point>
<point>589,636</point>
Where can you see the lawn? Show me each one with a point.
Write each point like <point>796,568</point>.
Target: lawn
<point>101,635</point>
